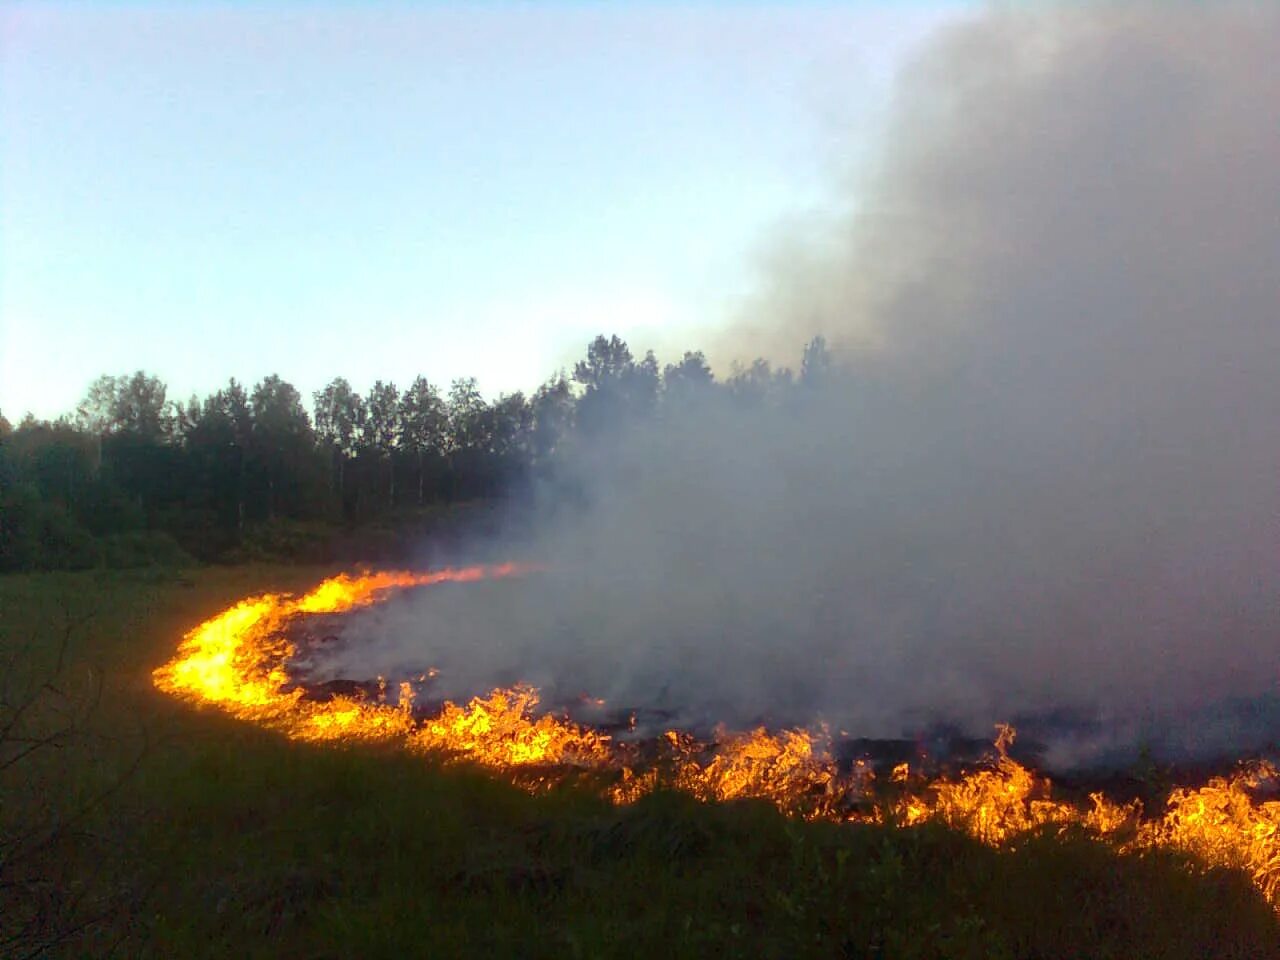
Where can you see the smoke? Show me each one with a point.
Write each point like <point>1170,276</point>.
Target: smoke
<point>1045,479</point>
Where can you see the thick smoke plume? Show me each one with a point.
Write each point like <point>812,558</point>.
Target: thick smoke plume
<point>1045,477</point>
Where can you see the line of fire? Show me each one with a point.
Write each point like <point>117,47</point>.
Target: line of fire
<point>240,662</point>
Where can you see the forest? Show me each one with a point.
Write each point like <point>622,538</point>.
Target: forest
<point>133,477</point>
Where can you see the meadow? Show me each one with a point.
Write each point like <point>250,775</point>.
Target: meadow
<point>138,826</point>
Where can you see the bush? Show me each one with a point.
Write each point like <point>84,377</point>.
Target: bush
<point>287,541</point>
<point>144,548</point>
<point>20,508</point>
<point>201,532</point>
<point>64,544</point>
<point>35,535</point>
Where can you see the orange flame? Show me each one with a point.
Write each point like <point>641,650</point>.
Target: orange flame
<point>1223,825</point>
<point>237,661</point>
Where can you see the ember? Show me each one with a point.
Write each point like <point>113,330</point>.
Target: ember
<point>239,662</point>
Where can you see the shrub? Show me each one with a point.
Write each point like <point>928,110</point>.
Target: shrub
<point>144,548</point>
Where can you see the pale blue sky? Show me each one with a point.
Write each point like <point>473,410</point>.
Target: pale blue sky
<point>206,191</point>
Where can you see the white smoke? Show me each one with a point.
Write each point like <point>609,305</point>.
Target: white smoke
<point>1047,475</point>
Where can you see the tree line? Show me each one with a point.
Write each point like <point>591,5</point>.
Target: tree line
<point>133,477</point>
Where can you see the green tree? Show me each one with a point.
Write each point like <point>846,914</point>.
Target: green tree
<point>424,426</point>
<point>606,364</point>
<point>688,379</point>
<point>133,426</point>
<point>380,435</point>
<point>466,411</point>
<point>509,423</point>
<point>615,387</point>
<point>467,436</point>
<point>217,436</point>
<point>759,383</point>
<point>128,404</point>
<point>283,447</point>
<point>815,365</point>
<point>59,459</point>
<point>340,417</point>
<point>44,478</point>
<point>551,411</point>
<point>18,508</point>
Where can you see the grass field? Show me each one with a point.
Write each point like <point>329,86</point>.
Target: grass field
<point>154,829</point>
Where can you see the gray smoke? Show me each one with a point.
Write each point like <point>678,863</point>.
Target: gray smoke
<point>1046,476</point>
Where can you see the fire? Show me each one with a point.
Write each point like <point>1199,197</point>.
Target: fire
<point>998,804</point>
<point>500,731</point>
<point>792,768</point>
<point>1224,825</point>
<point>237,661</point>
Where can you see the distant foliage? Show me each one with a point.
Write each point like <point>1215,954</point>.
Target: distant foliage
<point>133,478</point>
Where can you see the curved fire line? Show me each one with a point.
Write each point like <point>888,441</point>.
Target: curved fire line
<point>238,661</point>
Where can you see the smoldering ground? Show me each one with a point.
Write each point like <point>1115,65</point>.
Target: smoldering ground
<point>1044,478</point>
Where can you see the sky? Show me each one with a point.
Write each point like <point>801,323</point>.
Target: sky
<point>215,190</point>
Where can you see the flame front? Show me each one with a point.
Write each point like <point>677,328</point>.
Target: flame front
<point>237,661</point>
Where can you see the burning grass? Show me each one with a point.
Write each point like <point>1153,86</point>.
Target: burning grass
<point>237,661</point>
<point>231,840</point>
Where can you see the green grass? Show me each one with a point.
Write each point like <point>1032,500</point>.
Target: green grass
<point>227,841</point>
